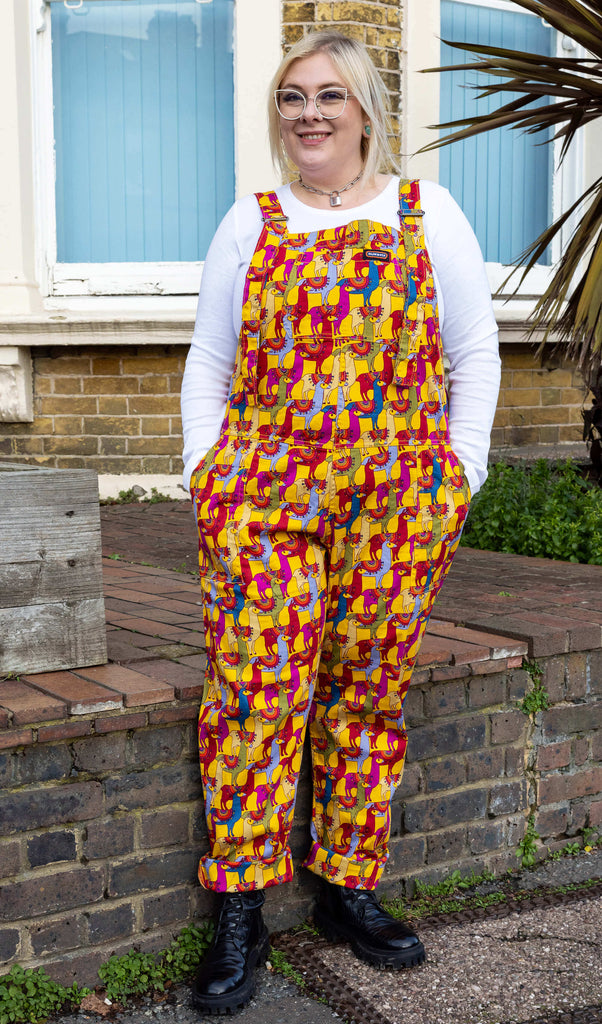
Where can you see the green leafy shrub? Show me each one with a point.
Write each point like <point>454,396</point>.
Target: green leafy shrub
<point>182,957</point>
<point>135,973</point>
<point>27,996</point>
<point>547,510</point>
<point>132,974</point>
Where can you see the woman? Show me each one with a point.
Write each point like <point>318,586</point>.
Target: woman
<point>331,503</point>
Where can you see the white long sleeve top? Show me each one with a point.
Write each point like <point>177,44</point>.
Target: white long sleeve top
<point>468,326</point>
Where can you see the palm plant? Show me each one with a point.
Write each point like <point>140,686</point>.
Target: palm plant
<point>557,95</point>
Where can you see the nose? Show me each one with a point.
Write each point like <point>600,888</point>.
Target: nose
<point>311,110</point>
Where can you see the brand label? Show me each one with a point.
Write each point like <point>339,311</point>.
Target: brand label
<point>377,254</point>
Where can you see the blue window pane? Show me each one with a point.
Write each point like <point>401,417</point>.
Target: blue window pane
<point>503,178</point>
<point>144,128</point>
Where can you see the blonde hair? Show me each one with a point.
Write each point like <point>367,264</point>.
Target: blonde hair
<point>353,63</point>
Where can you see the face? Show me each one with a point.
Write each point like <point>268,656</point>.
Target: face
<point>324,149</point>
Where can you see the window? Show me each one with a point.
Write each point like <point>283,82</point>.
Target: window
<point>515,167</point>
<point>143,128</point>
<point>149,120</point>
<point>506,182</point>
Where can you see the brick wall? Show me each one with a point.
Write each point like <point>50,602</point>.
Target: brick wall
<point>115,410</point>
<point>377,23</point>
<point>540,401</point>
<point>101,819</point>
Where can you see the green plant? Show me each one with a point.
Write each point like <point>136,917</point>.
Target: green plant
<point>132,974</point>
<point>537,698</point>
<point>136,495</point>
<point>157,496</point>
<point>281,965</point>
<point>28,996</point>
<point>527,848</point>
<point>547,510</point>
<point>183,955</point>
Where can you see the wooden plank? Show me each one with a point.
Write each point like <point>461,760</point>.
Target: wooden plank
<point>46,638</point>
<point>51,597</point>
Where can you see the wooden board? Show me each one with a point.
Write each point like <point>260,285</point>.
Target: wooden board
<point>51,597</point>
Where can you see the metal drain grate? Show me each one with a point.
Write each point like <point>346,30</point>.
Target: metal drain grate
<point>303,953</point>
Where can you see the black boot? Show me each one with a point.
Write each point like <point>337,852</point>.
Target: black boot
<point>375,936</point>
<point>225,980</point>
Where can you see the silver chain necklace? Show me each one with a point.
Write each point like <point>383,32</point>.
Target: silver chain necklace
<point>335,195</point>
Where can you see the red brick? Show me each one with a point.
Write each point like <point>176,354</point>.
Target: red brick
<point>4,719</point>
<point>167,715</point>
<point>188,682</point>
<point>576,676</point>
<point>481,668</point>
<point>444,699</point>
<point>595,813</point>
<point>514,761</point>
<point>507,726</point>
<point>164,828</point>
<point>10,858</point>
<point>434,652</point>
<point>581,750</point>
<point>64,731</point>
<point>497,646</point>
<point>552,822</point>
<point>135,687</point>
<point>567,787</point>
<point>15,738</point>
<point>514,662</point>
<point>28,704</point>
<point>553,678</point>
<point>117,723</point>
<point>443,672</point>
<point>81,696</point>
<point>556,755</point>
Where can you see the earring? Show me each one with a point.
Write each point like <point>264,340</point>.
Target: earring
<point>367,129</point>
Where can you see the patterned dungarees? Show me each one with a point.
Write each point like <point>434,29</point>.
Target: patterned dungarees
<point>328,511</point>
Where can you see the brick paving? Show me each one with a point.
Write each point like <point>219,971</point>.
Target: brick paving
<point>493,610</point>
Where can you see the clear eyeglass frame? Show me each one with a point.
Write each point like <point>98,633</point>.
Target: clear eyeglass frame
<point>316,100</point>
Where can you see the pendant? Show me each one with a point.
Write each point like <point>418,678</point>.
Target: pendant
<point>335,199</point>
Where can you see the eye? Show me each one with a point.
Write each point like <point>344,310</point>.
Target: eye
<point>290,96</point>
<point>332,95</point>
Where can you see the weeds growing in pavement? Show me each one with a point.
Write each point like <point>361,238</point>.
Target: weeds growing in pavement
<point>133,497</point>
<point>27,996</point>
<point>527,848</point>
<point>278,962</point>
<point>135,973</point>
<point>547,510</point>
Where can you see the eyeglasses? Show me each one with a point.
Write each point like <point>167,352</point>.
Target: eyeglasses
<point>329,103</point>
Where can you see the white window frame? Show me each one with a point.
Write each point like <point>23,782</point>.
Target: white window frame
<point>81,286</point>
<point>421,103</point>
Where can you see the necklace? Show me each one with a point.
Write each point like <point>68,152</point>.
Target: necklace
<point>335,195</point>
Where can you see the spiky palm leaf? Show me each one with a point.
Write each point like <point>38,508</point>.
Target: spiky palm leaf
<point>571,306</point>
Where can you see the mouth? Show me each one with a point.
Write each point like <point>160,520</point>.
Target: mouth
<point>312,136</point>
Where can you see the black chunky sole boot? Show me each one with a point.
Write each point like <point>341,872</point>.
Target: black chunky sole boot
<point>356,916</point>
<point>225,980</point>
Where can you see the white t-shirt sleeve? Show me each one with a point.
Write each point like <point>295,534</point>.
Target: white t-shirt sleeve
<point>212,354</point>
<point>469,329</point>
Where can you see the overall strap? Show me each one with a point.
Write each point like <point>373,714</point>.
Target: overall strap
<point>271,211</point>
<point>270,238</point>
<point>415,270</point>
<point>409,199</point>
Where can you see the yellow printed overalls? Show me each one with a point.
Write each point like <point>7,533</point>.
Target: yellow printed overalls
<point>328,511</point>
